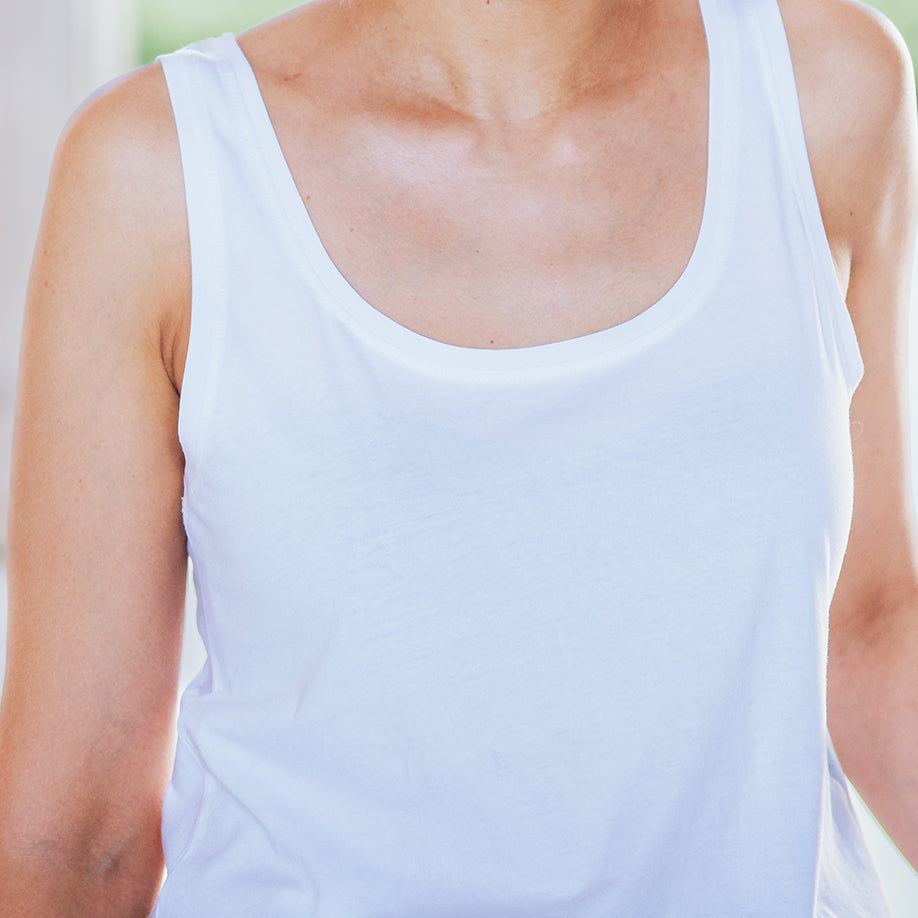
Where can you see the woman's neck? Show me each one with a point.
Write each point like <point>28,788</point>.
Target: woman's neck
<point>515,60</point>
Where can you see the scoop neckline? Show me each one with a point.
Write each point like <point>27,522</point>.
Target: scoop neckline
<point>379,329</point>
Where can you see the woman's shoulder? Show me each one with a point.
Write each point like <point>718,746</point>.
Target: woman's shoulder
<point>849,60</point>
<point>123,140</point>
<point>856,86</point>
<point>117,195</point>
<point>854,74</point>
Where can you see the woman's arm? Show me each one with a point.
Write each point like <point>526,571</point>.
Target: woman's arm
<point>97,549</point>
<point>858,99</point>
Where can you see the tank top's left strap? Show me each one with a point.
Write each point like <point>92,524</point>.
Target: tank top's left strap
<point>195,78</point>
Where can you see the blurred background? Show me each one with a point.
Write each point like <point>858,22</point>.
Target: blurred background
<point>53,54</point>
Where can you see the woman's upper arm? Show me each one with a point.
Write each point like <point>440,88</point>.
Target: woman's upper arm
<point>866,168</point>
<point>97,548</point>
<point>858,100</point>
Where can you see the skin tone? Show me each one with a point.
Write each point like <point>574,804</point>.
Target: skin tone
<point>476,159</point>
<point>465,122</point>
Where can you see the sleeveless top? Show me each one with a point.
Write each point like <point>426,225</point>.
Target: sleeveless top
<point>520,633</point>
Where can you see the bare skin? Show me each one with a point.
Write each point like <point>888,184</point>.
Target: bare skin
<point>463,126</point>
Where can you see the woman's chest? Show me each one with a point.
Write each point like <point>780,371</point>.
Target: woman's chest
<point>514,238</point>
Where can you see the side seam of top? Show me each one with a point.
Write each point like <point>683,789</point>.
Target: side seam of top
<point>188,72</point>
<point>782,89</point>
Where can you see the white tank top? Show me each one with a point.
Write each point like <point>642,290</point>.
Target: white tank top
<point>523,633</point>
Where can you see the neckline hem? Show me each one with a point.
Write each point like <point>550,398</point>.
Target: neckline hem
<point>378,328</point>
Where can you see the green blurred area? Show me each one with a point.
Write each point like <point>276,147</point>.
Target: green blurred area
<point>169,24</point>
<point>904,13</point>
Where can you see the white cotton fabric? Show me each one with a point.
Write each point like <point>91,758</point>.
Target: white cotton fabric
<point>522,633</point>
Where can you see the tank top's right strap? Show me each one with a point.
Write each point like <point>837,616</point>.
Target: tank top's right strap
<point>770,38</point>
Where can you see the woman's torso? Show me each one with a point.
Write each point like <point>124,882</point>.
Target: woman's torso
<point>500,631</point>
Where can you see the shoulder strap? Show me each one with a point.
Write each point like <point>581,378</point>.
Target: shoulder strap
<point>776,65</point>
<point>195,77</point>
